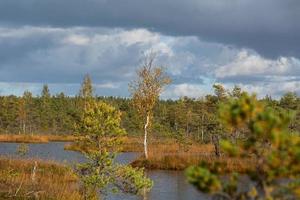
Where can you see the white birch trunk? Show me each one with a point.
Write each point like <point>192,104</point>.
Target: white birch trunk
<point>145,136</point>
<point>24,127</point>
<point>202,132</point>
<point>33,173</point>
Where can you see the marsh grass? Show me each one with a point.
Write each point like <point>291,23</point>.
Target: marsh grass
<point>135,144</point>
<point>22,138</point>
<point>182,161</point>
<point>51,180</point>
<point>167,154</point>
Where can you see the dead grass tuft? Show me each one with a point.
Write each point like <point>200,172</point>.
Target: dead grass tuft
<point>52,180</point>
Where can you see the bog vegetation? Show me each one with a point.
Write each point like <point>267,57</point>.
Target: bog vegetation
<point>266,140</point>
<point>50,181</point>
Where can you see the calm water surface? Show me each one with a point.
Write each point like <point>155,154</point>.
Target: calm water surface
<point>168,185</point>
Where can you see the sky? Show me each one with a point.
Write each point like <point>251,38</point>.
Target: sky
<point>254,44</point>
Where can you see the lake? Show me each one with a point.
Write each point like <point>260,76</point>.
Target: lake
<point>168,185</point>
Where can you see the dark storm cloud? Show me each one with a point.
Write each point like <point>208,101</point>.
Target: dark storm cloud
<point>14,49</point>
<point>271,27</point>
<point>49,55</point>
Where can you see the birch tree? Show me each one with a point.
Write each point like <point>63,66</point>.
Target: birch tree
<point>145,91</point>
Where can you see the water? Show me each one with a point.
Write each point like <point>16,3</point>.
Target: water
<point>167,184</point>
<point>46,151</point>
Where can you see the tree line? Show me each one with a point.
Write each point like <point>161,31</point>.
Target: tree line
<point>188,117</point>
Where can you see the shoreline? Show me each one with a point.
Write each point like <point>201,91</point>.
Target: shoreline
<point>181,162</point>
<point>164,154</point>
<point>24,138</point>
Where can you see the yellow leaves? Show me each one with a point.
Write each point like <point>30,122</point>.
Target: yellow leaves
<point>229,148</point>
<point>297,191</point>
<point>237,113</point>
<point>203,179</point>
<point>145,90</point>
<point>268,191</point>
<point>253,193</point>
<point>247,112</point>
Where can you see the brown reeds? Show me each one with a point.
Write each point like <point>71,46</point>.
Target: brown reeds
<point>51,180</point>
<point>169,155</point>
<point>184,160</point>
<point>24,138</point>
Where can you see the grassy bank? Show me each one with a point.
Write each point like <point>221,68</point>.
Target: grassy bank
<point>167,154</point>
<point>129,144</point>
<point>51,180</point>
<point>22,138</point>
<point>172,156</point>
<point>184,160</point>
<point>165,145</point>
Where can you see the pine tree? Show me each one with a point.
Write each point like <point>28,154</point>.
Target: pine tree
<point>29,109</point>
<point>22,115</point>
<point>220,92</point>
<point>100,124</point>
<point>45,109</point>
<point>273,151</point>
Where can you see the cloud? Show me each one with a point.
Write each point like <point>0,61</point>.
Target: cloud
<point>246,64</point>
<point>33,55</point>
<point>107,85</point>
<point>274,89</point>
<point>61,56</point>
<point>182,90</point>
<point>58,55</point>
<point>270,27</point>
<point>138,36</point>
<point>71,89</point>
<point>77,40</point>
<point>251,67</point>
<point>64,55</point>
